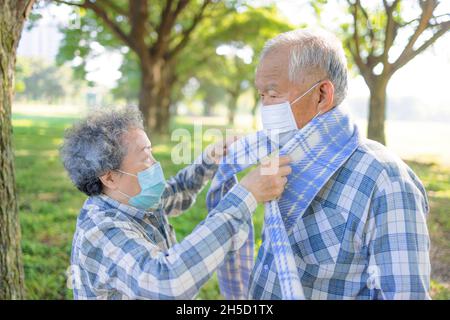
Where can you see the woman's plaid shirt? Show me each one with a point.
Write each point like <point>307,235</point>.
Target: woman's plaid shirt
<point>120,252</point>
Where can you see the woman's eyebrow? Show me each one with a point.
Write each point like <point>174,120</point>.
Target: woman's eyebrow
<point>145,147</point>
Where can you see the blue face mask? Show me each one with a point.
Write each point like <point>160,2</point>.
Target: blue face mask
<point>152,183</point>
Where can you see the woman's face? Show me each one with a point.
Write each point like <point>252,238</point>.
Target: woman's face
<point>138,158</point>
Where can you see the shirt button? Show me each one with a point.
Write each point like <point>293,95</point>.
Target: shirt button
<point>266,268</point>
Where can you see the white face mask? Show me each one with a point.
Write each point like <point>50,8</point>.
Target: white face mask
<point>278,118</point>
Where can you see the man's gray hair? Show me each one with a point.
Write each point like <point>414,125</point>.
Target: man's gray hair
<point>94,145</point>
<point>312,50</point>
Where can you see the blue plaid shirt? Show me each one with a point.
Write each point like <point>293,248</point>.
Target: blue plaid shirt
<point>364,236</point>
<point>120,252</point>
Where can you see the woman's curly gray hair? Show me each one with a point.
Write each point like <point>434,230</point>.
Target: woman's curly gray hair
<point>94,145</point>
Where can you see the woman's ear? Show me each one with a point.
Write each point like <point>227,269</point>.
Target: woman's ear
<point>326,90</point>
<point>109,179</point>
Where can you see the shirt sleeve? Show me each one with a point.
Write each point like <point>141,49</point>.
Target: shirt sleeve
<point>139,269</point>
<point>398,241</point>
<point>182,189</point>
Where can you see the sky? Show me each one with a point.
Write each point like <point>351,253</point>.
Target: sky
<point>424,78</point>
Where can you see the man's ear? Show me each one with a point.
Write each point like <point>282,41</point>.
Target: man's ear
<point>326,97</point>
<point>110,179</point>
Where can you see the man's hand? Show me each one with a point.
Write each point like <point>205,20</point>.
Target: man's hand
<point>266,187</point>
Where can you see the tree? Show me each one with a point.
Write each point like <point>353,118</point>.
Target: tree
<point>373,34</point>
<point>156,32</point>
<point>211,95</point>
<point>234,51</point>
<point>13,14</point>
<point>128,84</point>
<point>40,80</point>
<point>229,72</point>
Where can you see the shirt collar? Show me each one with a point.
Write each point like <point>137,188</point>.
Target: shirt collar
<point>130,210</point>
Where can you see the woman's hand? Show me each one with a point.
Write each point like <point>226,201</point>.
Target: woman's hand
<point>268,180</point>
<point>217,150</point>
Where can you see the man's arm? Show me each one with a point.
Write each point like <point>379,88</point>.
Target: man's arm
<point>141,270</point>
<point>399,264</point>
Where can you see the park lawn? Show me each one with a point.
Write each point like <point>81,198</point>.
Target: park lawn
<point>49,205</point>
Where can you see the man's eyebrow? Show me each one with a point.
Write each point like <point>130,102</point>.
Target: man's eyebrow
<point>270,86</point>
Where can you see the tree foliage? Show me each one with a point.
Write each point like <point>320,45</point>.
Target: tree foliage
<point>382,37</point>
<point>40,80</point>
<point>240,28</point>
<point>157,32</point>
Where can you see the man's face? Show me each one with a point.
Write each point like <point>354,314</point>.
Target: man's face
<point>139,157</point>
<point>274,86</point>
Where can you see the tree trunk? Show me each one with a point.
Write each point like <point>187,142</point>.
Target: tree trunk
<point>163,113</point>
<point>377,111</point>
<point>232,107</point>
<point>208,103</point>
<point>12,17</point>
<point>164,99</point>
<point>154,96</point>
<point>147,96</point>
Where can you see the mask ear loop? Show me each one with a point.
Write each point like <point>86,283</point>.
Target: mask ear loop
<point>315,85</point>
<point>122,193</point>
<point>130,174</point>
<point>307,91</point>
<point>317,114</point>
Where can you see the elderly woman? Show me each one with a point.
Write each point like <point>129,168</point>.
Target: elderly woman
<point>124,246</point>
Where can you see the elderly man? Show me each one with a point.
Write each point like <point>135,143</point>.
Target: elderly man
<point>351,221</point>
<point>124,247</point>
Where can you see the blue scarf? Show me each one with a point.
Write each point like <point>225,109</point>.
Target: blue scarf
<point>318,150</point>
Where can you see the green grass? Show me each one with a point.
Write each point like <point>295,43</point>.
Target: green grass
<point>49,204</point>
